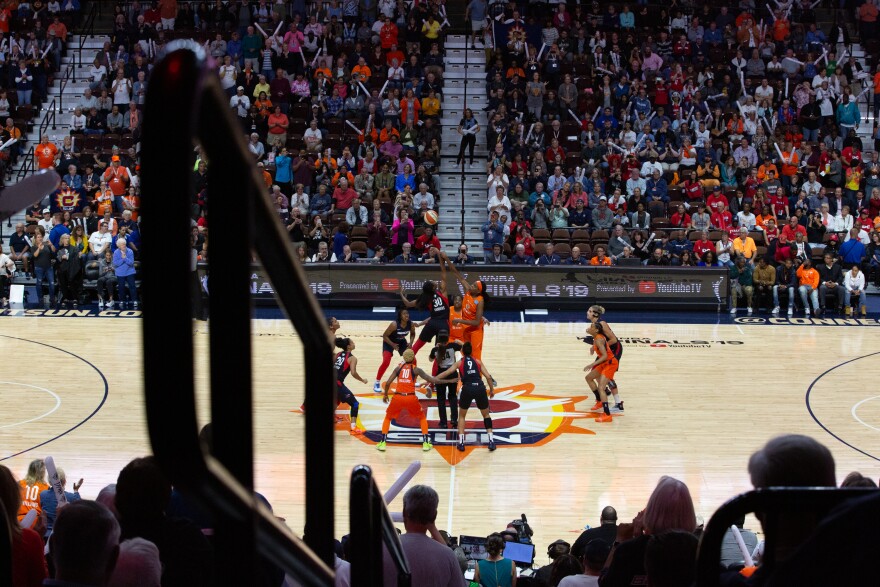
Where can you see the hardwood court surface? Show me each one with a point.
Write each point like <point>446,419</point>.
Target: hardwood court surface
<point>694,410</point>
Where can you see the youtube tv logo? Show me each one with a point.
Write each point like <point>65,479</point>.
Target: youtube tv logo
<point>647,287</point>
<point>391,284</point>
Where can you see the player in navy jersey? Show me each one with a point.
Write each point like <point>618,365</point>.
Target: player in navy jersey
<point>472,372</point>
<point>344,363</point>
<point>443,355</point>
<point>397,337</point>
<point>433,299</point>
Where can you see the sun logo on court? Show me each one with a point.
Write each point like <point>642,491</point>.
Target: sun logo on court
<point>520,418</point>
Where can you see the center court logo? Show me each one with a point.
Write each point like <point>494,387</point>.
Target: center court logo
<point>520,419</point>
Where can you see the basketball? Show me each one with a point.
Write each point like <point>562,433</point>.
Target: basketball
<point>431,217</point>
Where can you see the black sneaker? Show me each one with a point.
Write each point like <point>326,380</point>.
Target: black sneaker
<point>619,406</point>
<point>491,445</point>
<point>460,446</point>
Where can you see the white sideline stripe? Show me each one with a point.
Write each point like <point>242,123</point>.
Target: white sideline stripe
<point>449,505</point>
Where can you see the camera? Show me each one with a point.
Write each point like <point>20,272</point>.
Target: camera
<point>523,530</point>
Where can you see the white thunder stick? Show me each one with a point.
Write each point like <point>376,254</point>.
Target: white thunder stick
<point>360,132</point>
<point>651,117</point>
<point>55,481</point>
<point>8,143</point>
<point>604,70</point>
<point>318,54</point>
<point>529,135</point>
<point>786,87</point>
<point>573,115</point>
<point>779,152</point>
<point>773,16</point>
<point>401,482</point>
<point>747,557</point>
<point>364,87</point>
<point>541,52</point>
<point>382,91</point>
<point>766,124</point>
<point>278,28</point>
<point>262,32</point>
<point>596,113</point>
<point>29,519</point>
<point>824,55</point>
<point>46,52</point>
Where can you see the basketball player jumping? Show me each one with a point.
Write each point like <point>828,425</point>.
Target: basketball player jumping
<point>472,310</point>
<point>472,372</point>
<point>601,370</point>
<point>405,399</point>
<point>344,363</point>
<point>395,338</point>
<point>434,299</point>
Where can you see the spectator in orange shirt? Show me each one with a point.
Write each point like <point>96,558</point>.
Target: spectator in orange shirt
<point>104,199</point>
<point>599,258</point>
<point>46,153</point>
<point>362,70</point>
<point>267,177</point>
<point>278,123</point>
<point>745,245</point>
<point>31,486</point>
<point>809,285</point>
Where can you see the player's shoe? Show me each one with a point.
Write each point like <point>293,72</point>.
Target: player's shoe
<point>381,446</point>
<point>356,432</point>
<point>619,406</point>
<point>426,446</point>
<point>460,446</point>
<point>377,387</point>
<point>597,407</point>
<point>775,310</point>
<point>491,445</point>
<point>604,418</point>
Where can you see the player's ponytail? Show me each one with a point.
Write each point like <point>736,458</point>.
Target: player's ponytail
<point>342,343</point>
<point>597,310</point>
<point>467,349</point>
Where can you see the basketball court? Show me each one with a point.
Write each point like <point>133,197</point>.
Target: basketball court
<point>699,398</point>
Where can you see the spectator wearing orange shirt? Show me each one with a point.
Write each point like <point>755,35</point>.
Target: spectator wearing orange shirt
<point>118,179</point>
<point>278,123</point>
<point>31,486</point>
<point>46,153</point>
<point>808,278</point>
<point>104,199</point>
<point>131,202</point>
<point>362,70</point>
<point>599,259</point>
<point>745,245</point>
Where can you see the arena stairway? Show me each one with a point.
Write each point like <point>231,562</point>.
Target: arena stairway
<point>66,98</point>
<point>464,87</point>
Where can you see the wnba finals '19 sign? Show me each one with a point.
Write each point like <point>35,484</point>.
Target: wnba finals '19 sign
<point>520,417</point>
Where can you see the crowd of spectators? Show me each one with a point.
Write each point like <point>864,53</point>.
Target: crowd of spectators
<point>684,135</point>
<point>340,103</point>
<point>142,531</point>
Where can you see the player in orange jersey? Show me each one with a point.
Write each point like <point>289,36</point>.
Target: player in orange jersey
<point>472,311</point>
<point>456,330</point>
<point>601,370</point>
<point>405,397</point>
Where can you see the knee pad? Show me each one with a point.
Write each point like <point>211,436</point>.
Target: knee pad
<point>487,422</point>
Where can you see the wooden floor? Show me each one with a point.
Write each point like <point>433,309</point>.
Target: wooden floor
<point>693,411</point>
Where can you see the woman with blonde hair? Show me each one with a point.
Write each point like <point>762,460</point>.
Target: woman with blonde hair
<point>670,507</point>
<point>28,563</point>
